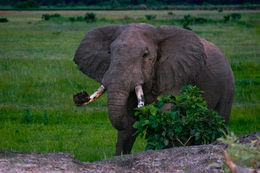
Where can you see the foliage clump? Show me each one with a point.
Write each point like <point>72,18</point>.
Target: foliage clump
<point>244,155</point>
<point>90,17</point>
<point>188,121</point>
<point>170,13</point>
<point>78,19</point>
<point>226,18</point>
<point>49,16</point>
<point>233,16</point>
<point>3,20</point>
<point>188,19</point>
<point>236,16</point>
<point>27,118</point>
<point>27,4</point>
<point>150,16</point>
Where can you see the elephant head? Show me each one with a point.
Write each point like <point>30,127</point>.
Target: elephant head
<point>136,63</point>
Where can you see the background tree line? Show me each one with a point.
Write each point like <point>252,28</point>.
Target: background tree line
<point>119,3</point>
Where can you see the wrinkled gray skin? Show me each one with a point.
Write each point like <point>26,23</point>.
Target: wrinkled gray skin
<point>161,59</point>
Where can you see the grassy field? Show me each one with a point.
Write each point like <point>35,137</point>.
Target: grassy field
<point>38,78</point>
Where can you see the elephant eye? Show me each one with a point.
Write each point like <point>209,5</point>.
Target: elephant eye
<point>146,52</point>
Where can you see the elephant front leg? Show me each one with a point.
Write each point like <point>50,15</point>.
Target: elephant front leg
<point>125,136</point>
<point>125,141</point>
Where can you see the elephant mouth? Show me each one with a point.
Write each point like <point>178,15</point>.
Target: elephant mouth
<point>83,98</point>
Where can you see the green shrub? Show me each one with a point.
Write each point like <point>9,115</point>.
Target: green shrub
<point>72,19</point>
<point>45,17</point>
<point>80,19</point>
<point>49,16</point>
<point>220,10</point>
<point>26,4</point>
<point>150,16</point>
<point>55,15</point>
<point>3,20</point>
<point>187,20</point>
<point>27,118</point>
<point>226,18</point>
<point>90,17</point>
<point>245,155</point>
<point>127,18</point>
<point>200,20</point>
<point>170,13</point>
<point>45,118</point>
<point>235,16</point>
<point>188,121</point>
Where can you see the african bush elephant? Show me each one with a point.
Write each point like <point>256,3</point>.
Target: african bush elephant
<point>135,63</point>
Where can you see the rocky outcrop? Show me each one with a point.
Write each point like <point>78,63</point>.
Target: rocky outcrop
<point>178,159</point>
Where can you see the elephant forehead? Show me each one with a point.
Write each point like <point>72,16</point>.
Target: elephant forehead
<point>129,40</point>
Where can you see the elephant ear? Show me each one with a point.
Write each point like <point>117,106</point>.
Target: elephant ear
<point>181,58</point>
<point>93,53</point>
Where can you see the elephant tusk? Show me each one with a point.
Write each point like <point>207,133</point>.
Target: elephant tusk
<point>95,95</point>
<point>140,95</point>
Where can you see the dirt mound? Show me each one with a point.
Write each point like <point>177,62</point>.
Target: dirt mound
<point>178,159</point>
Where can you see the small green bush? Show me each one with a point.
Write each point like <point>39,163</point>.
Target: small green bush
<point>27,118</point>
<point>55,15</point>
<point>200,20</point>
<point>226,18</point>
<point>187,21</point>
<point>220,10</point>
<point>26,4</point>
<point>127,18</point>
<point>49,16</point>
<point>235,16</point>
<point>3,20</point>
<point>78,19</point>
<point>72,19</point>
<point>90,17</point>
<point>170,13</point>
<point>45,17</point>
<point>187,122</point>
<point>150,17</point>
<point>245,155</point>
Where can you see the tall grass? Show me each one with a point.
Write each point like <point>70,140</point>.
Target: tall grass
<point>38,78</point>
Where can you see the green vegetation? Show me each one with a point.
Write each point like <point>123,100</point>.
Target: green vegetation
<point>150,16</point>
<point>246,155</point>
<point>3,20</point>
<point>128,4</point>
<point>233,16</point>
<point>38,78</point>
<point>49,16</point>
<point>26,4</point>
<point>90,17</point>
<point>187,121</point>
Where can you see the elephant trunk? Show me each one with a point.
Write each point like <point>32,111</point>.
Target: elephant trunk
<point>117,106</point>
